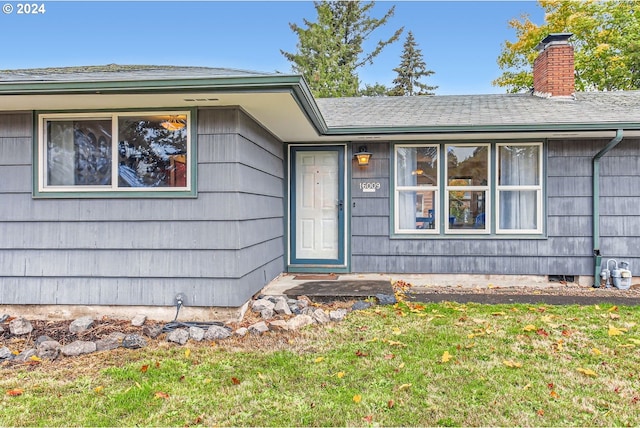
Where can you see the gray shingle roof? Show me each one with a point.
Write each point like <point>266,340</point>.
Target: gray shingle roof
<point>117,72</point>
<point>480,110</point>
<point>441,111</point>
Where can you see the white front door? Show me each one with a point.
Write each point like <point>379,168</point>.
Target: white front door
<point>317,206</point>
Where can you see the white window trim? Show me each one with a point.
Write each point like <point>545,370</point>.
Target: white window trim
<point>113,116</point>
<point>537,188</point>
<point>486,189</point>
<point>398,189</point>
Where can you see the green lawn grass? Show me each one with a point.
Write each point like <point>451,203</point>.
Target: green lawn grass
<point>411,365</point>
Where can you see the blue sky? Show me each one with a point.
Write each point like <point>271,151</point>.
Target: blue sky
<point>460,40</point>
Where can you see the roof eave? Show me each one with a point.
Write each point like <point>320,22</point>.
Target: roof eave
<point>547,127</point>
<point>295,84</point>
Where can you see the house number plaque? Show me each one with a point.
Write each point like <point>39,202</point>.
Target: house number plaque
<point>370,186</point>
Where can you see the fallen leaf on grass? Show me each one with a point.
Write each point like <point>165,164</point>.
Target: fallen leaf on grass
<point>15,392</point>
<point>542,332</point>
<point>446,356</point>
<point>340,375</point>
<point>98,389</point>
<point>187,353</point>
<point>162,395</point>
<point>512,364</point>
<point>614,331</point>
<point>357,398</point>
<point>596,351</point>
<point>319,359</point>
<point>540,412</point>
<point>359,353</point>
<point>554,394</point>
<point>527,386</point>
<point>389,357</point>
<point>144,368</point>
<point>390,404</point>
<point>530,327</point>
<point>235,381</point>
<point>396,331</point>
<point>587,372</point>
<point>404,386</point>
<point>368,419</point>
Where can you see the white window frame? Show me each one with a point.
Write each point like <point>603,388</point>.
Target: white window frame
<point>44,188</point>
<point>537,188</point>
<point>435,189</point>
<point>486,189</point>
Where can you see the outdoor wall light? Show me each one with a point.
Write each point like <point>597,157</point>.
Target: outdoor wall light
<point>363,156</point>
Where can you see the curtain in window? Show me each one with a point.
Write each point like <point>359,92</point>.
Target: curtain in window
<point>519,166</point>
<point>406,162</point>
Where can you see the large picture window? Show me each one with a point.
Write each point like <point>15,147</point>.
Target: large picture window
<point>480,189</point>
<point>106,152</point>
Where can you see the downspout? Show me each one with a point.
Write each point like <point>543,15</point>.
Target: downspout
<point>596,204</point>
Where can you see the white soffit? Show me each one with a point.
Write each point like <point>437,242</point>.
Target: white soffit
<point>278,112</point>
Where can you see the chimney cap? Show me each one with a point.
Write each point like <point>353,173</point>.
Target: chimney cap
<point>555,39</point>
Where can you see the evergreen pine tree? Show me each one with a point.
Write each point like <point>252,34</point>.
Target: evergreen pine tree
<point>330,51</point>
<point>411,69</point>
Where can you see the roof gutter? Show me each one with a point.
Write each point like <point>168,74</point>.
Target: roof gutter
<point>596,204</point>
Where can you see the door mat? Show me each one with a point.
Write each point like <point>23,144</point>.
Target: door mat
<point>325,277</point>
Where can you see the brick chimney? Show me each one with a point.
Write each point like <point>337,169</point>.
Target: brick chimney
<point>553,69</point>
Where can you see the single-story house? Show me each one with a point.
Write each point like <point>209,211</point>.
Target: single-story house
<point>127,185</point>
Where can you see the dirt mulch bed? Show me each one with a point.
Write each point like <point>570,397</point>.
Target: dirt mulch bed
<point>563,293</point>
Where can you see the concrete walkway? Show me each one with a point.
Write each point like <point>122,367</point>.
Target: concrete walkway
<point>438,288</point>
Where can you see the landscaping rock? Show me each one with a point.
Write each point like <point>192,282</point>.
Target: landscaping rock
<point>152,331</point>
<point>79,347</point>
<point>262,304</point>
<point>338,314</point>
<point>133,341</point>
<point>320,316</point>
<point>26,355</point>
<point>278,325</point>
<point>267,313</point>
<point>138,320</point>
<point>81,324</point>
<point>281,306</point>
<point>6,354</point>
<point>242,331</point>
<point>20,326</point>
<point>41,339</point>
<point>360,305</point>
<point>196,333</point>
<point>48,349</point>
<point>299,321</point>
<point>216,332</point>
<point>179,336</point>
<point>386,299</point>
<point>113,341</point>
<point>259,328</point>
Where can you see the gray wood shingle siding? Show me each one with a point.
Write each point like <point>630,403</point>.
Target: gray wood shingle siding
<point>567,248</point>
<point>219,248</point>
